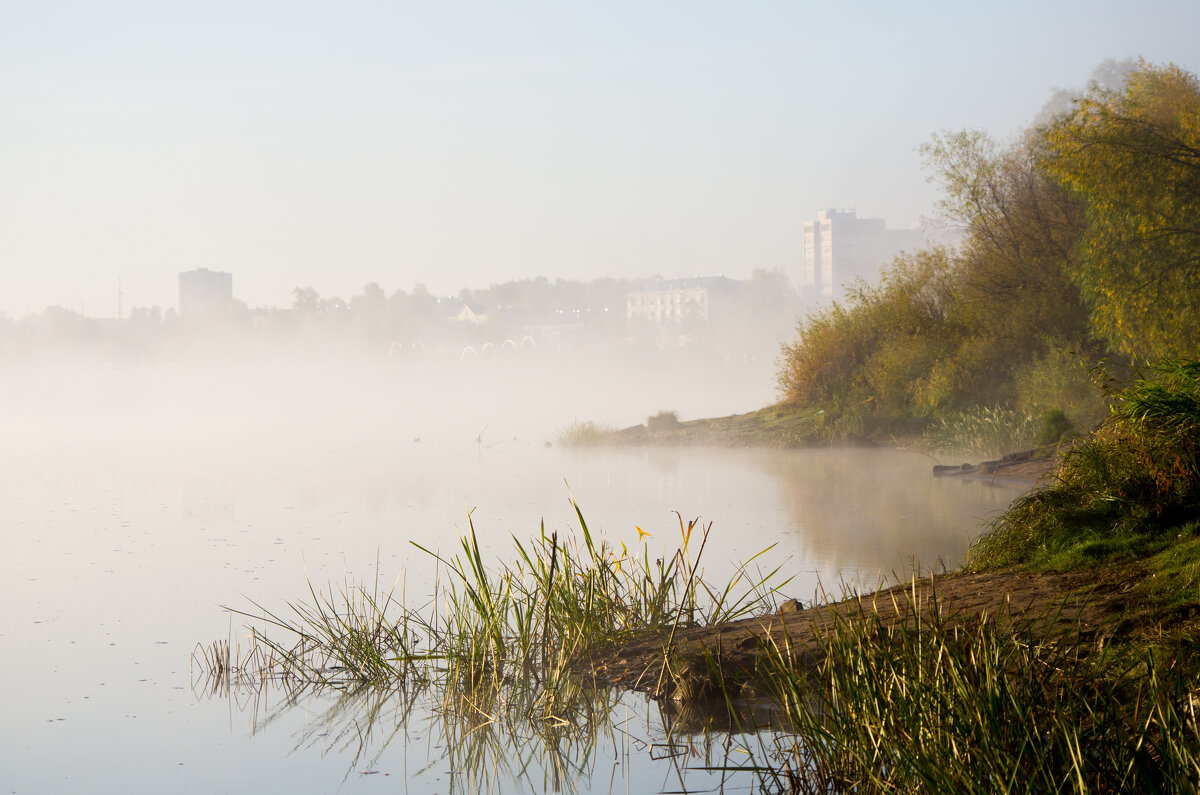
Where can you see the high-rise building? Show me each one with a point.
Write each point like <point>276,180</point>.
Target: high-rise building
<point>201,290</point>
<point>840,247</point>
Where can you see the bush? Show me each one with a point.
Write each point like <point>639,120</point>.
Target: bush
<point>582,433</point>
<point>866,362</point>
<point>1052,426</point>
<point>1065,379</point>
<point>1138,474</point>
<point>663,421</point>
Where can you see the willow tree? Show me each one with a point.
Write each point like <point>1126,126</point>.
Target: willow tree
<point>1022,310</point>
<point>1133,157</point>
<point>1019,235</point>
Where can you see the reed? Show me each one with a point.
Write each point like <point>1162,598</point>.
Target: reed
<point>937,702</point>
<point>982,432</point>
<point>581,433</point>
<point>339,637</point>
<point>923,700</point>
<point>526,624</point>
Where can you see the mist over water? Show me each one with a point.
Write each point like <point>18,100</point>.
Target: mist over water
<point>140,500</point>
<point>297,396</point>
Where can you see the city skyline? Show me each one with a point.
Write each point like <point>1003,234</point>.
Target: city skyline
<point>331,149</point>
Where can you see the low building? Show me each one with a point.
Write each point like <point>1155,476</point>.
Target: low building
<point>676,301</point>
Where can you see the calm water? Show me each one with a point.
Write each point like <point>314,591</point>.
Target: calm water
<point>135,505</point>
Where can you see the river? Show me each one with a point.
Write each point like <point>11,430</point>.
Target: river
<point>138,503</point>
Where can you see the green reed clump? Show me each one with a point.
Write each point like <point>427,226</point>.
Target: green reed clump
<point>933,702</point>
<point>560,599</point>
<point>982,431</point>
<point>1136,476</point>
<point>338,638</point>
<point>528,622</point>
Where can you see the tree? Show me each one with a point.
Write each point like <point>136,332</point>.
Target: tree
<point>875,358</point>
<point>1022,311</point>
<point>1021,230</point>
<point>305,300</point>
<point>1133,157</point>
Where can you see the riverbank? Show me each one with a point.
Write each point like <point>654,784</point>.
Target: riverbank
<point>773,426</point>
<point>1095,606</point>
<point>783,426</point>
<point>1040,603</point>
<point>1075,624</point>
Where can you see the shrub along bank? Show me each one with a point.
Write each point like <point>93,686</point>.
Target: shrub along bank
<point>1079,256</point>
<point>1018,702</point>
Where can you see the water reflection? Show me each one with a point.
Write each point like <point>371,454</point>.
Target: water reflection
<point>596,740</point>
<point>866,514</point>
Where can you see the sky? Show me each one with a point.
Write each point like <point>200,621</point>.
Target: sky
<point>463,144</point>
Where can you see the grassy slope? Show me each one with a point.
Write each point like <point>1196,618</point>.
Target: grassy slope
<point>773,426</point>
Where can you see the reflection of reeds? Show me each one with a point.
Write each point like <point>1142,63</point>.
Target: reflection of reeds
<point>929,700</point>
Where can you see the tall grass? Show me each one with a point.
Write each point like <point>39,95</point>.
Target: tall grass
<point>585,432</point>
<point>1137,475</point>
<point>923,699</point>
<point>529,622</point>
<point>932,702</point>
<point>982,432</point>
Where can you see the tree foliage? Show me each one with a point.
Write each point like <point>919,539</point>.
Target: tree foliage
<point>1081,244</point>
<point>949,330</point>
<point>875,358</point>
<point>1133,157</point>
<point>1020,233</point>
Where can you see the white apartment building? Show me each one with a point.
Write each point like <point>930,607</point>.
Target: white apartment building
<point>840,247</point>
<point>675,301</point>
<point>202,289</point>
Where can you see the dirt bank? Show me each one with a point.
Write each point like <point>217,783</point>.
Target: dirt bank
<point>1045,603</point>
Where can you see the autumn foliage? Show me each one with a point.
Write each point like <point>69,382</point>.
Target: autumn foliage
<point>1080,253</point>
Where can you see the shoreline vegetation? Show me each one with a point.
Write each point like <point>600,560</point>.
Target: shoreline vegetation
<point>1063,656</point>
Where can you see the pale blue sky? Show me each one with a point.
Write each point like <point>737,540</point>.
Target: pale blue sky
<point>461,144</point>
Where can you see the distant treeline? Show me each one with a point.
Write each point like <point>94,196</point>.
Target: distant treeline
<point>747,319</point>
<point>1080,261</point>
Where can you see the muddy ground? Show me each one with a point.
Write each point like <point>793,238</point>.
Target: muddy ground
<point>1046,603</point>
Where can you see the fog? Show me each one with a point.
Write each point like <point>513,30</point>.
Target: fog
<point>524,359</point>
<point>532,398</point>
<point>439,238</point>
<point>156,474</point>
